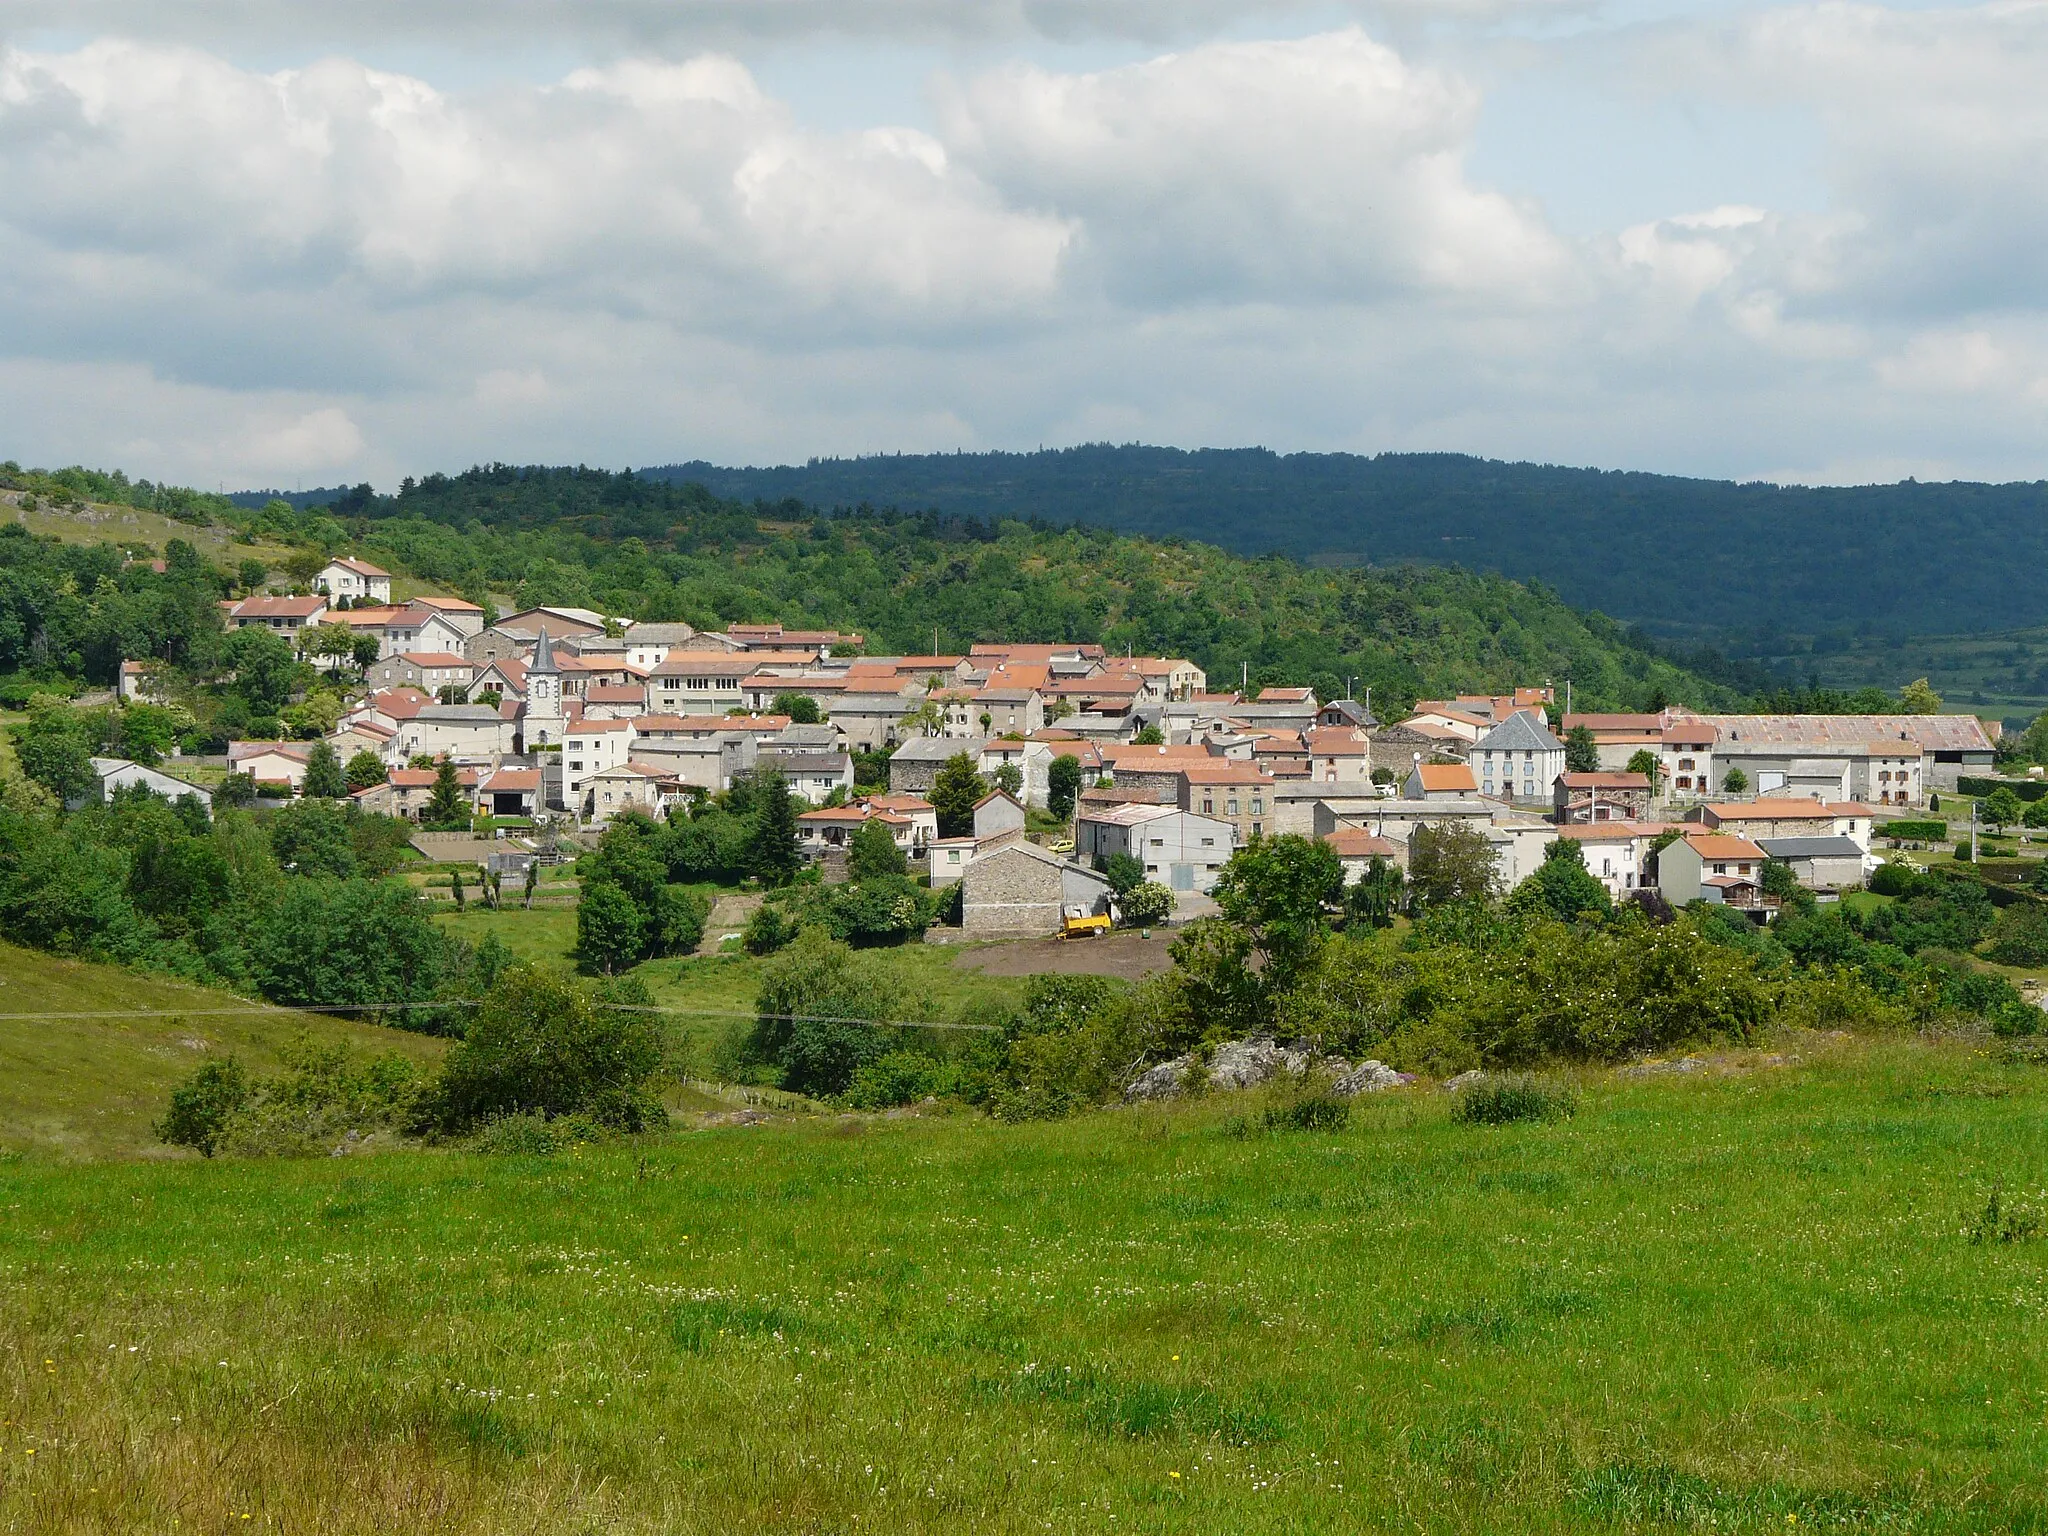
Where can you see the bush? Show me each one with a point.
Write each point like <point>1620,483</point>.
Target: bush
<point>771,928</point>
<point>202,1106</point>
<point>1317,1110</point>
<point>533,1135</point>
<point>1146,902</point>
<point>815,1006</point>
<point>326,1096</point>
<point>543,1043</point>
<point>1916,831</point>
<point>1512,1099</point>
<point>2019,935</point>
<point>901,1077</point>
<point>2025,789</point>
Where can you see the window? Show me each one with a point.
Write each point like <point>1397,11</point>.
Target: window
<point>1208,842</point>
<point>1258,805</point>
<point>1233,807</point>
<point>1257,830</point>
<point>1720,869</point>
<point>1685,762</point>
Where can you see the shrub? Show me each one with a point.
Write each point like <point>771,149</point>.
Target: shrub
<point>1894,877</point>
<point>771,928</point>
<point>1511,1099</point>
<point>1146,902</point>
<point>202,1106</point>
<point>532,1135</point>
<point>1316,1110</point>
<point>543,1043</point>
<point>1916,831</point>
<point>2019,935</point>
<point>901,1077</point>
<point>815,1004</point>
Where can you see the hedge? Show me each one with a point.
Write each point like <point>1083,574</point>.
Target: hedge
<point>2025,789</point>
<point>1916,831</point>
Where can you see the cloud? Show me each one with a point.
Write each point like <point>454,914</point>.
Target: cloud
<point>1321,169</point>
<point>669,24</point>
<point>670,190</point>
<point>215,272</point>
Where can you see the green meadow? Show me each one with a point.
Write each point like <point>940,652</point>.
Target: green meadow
<point>1767,1295</point>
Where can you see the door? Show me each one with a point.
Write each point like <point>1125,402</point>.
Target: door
<point>1181,877</point>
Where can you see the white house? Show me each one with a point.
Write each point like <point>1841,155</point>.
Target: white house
<point>471,733</point>
<point>120,773</point>
<point>813,776</point>
<point>428,671</point>
<point>1518,759</point>
<point>1180,849</point>
<point>356,580</point>
<point>140,682</point>
<point>1613,851</point>
<point>591,747</point>
<point>270,762</point>
<point>283,615</point>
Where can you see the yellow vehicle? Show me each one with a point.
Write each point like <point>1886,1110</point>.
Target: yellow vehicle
<point>1074,927</point>
<point>1060,845</point>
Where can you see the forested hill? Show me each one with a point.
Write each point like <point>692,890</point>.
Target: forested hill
<point>655,550</point>
<point>1680,556</point>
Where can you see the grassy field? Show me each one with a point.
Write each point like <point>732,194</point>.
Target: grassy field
<point>98,524</point>
<point>90,1087</point>
<point>1737,1300</point>
<point>724,986</point>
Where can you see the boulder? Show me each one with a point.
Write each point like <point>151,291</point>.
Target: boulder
<point>1248,1063</point>
<point>1369,1077</point>
<point>1236,1064</point>
<point>1164,1081</point>
<point>1464,1080</point>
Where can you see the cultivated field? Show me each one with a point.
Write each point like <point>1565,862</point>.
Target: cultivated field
<point>1741,1298</point>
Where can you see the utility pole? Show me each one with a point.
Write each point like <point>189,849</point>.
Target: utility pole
<point>1567,695</point>
<point>1973,831</point>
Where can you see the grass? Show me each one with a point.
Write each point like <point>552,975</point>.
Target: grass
<point>1739,1302</point>
<point>90,1087</point>
<point>725,985</point>
<point>103,524</point>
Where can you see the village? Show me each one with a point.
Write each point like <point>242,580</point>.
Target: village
<point>563,718</point>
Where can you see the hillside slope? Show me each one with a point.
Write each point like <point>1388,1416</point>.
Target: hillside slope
<point>1685,557</point>
<point>91,1087</point>
<point>654,550</point>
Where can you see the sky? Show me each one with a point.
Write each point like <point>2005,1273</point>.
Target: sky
<point>254,243</point>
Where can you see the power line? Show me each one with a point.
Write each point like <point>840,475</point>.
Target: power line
<point>703,1013</point>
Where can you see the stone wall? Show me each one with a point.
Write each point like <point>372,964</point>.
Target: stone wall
<point>1010,892</point>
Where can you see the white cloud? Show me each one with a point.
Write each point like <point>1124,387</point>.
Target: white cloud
<point>635,24</point>
<point>216,272</point>
<point>671,190</point>
<point>1306,171</point>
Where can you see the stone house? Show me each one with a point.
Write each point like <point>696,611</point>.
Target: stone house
<point>1021,890</point>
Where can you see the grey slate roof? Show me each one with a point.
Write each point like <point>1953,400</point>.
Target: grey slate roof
<point>808,762</point>
<point>1519,733</point>
<point>936,749</point>
<point>1810,847</point>
<point>543,654</point>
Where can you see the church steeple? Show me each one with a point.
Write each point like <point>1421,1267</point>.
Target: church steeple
<point>543,694</point>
